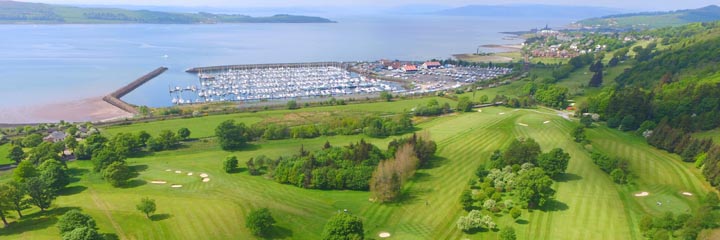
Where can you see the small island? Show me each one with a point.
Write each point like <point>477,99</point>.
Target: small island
<point>12,12</point>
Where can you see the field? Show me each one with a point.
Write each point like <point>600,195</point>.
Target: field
<point>4,150</point>
<point>588,204</point>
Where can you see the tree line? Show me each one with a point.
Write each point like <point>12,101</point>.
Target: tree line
<point>233,136</point>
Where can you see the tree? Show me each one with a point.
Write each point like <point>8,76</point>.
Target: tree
<point>586,121</point>
<point>534,187</point>
<point>40,192</point>
<point>473,220</point>
<point>5,203</point>
<point>554,162</point>
<point>71,143</point>
<point>55,174</point>
<point>618,176</point>
<point>16,154</point>
<point>259,221</point>
<point>166,140</point>
<point>231,164</point>
<point>117,174</point>
<point>384,95</point>
<point>628,123</point>
<point>146,206</point>
<point>343,226</point>
<point>515,213</point>
<point>252,169</point>
<point>24,171</point>
<point>292,104</point>
<point>466,200</point>
<point>596,80</point>
<point>104,157</point>
<point>32,140</point>
<point>231,136</point>
<point>508,234</point>
<point>464,104</point>
<point>484,98</point>
<point>82,233</point>
<point>521,151</point>
<point>14,193</point>
<point>74,219</point>
<point>579,134</point>
<point>183,133</point>
<point>45,151</point>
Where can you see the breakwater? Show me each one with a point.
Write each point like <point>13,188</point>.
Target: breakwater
<point>114,97</point>
<point>260,66</point>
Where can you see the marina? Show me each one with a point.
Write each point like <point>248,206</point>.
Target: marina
<point>260,82</point>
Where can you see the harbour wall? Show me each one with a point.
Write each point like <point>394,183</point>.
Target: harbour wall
<point>114,97</point>
<point>272,65</point>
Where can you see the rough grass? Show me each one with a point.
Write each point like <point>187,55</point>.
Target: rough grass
<point>588,206</point>
<point>203,127</point>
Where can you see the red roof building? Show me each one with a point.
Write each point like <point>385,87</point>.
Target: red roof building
<point>430,65</point>
<point>409,68</point>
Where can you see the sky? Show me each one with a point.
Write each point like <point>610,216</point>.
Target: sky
<point>621,4</point>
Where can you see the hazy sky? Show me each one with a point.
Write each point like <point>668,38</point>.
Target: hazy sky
<point>623,4</point>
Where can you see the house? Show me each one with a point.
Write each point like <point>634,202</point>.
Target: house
<point>409,68</point>
<point>431,65</point>
<point>55,136</point>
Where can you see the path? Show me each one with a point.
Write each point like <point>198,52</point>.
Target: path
<point>102,206</point>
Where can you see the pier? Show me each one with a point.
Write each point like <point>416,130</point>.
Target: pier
<point>114,97</point>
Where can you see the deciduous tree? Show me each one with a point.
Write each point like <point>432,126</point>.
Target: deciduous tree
<point>117,174</point>
<point>146,206</point>
<point>40,192</point>
<point>259,221</point>
<point>554,162</point>
<point>343,226</point>
<point>230,164</point>
<point>74,219</point>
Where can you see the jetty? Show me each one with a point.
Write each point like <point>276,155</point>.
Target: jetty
<point>114,97</point>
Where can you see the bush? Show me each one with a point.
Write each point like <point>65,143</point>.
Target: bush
<point>231,164</point>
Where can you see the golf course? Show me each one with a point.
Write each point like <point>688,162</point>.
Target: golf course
<point>587,203</point>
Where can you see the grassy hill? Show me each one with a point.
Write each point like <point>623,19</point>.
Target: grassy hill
<point>639,21</point>
<point>12,12</point>
<point>588,204</point>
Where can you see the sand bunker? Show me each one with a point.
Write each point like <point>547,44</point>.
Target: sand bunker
<point>176,186</point>
<point>178,171</point>
<point>384,235</point>
<point>502,113</point>
<point>168,170</point>
<point>206,179</point>
<point>687,194</point>
<point>546,122</point>
<point>479,110</point>
<point>522,124</point>
<point>189,174</point>
<point>158,182</point>
<point>642,194</point>
<point>204,175</point>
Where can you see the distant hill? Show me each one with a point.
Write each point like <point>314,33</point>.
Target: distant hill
<point>649,20</point>
<point>12,12</point>
<point>528,11</point>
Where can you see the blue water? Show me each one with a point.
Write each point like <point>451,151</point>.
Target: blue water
<point>53,63</point>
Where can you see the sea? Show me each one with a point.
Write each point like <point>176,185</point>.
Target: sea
<point>42,64</point>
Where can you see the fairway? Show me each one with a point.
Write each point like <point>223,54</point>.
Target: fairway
<point>589,205</point>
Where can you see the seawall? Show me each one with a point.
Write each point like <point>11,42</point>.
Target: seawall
<point>114,97</point>
<point>272,65</point>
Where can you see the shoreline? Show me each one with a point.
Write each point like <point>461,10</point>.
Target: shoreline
<point>93,109</point>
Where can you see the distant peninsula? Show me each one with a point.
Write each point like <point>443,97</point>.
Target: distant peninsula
<point>649,20</point>
<point>12,12</point>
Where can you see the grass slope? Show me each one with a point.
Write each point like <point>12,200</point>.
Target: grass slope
<point>589,205</point>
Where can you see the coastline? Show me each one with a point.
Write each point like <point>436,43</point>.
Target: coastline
<point>83,110</point>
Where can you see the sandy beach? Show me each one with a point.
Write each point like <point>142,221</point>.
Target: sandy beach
<point>91,109</point>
